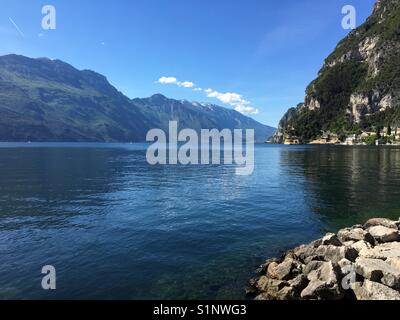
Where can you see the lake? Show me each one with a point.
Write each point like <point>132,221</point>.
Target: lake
<point>115,227</point>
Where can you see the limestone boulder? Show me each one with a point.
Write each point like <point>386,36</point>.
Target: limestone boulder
<point>384,234</point>
<point>370,268</point>
<point>264,267</point>
<point>331,239</point>
<point>299,283</point>
<point>271,270</point>
<point>370,290</point>
<point>355,235</point>
<point>394,262</point>
<point>269,288</point>
<point>266,284</point>
<point>311,266</point>
<point>360,245</point>
<point>285,270</point>
<point>380,222</point>
<point>346,266</point>
<point>335,254</point>
<point>378,271</point>
<point>316,243</point>
<point>382,251</point>
<point>287,293</point>
<point>349,243</point>
<point>261,297</point>
<point>324,283</point>
<point>261,284</point>
<point>305,253</point>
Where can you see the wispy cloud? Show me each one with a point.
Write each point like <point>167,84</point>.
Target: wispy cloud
<point>16,27</point>
<point>235,100</point>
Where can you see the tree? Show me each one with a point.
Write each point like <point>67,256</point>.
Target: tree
<point>378,132</point>
<point>370,141</point>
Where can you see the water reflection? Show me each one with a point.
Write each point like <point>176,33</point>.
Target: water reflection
<point>347,186</point>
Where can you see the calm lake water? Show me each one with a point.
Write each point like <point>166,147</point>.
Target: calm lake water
<point>116,228</point>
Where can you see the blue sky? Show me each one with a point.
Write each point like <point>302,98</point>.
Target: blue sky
<point>260,54</point>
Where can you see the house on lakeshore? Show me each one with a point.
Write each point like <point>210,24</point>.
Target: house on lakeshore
<point>327,138</point>
<point>352,140</point>
<point>291,141</point>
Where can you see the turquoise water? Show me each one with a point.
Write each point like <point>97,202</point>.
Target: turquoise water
<point>116,228</point>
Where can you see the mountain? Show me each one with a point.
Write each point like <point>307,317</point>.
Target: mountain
<point>198,116</point>
<point>358,88</point>
<point>49,100</point>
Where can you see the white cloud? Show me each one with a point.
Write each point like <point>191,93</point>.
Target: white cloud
<point>173,80</point>
<point>168,80</point>
<point>228,97</point>
<point>246,109</point>
<point>235,100</point>
<point>186,84</point>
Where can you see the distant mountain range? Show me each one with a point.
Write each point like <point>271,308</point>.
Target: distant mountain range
<point>49,100</point>
<point>358,88</point>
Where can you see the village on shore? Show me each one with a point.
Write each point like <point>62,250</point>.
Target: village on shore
<point>386,136</point>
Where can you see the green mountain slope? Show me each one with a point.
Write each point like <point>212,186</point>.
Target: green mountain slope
<point>49,100</point>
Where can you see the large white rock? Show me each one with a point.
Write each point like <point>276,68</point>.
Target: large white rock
<point>269,288</point>
<point>378,271</point>
<point>395,262</point>
<point>282,271</point>
<point>324,283</point>
<point>384,234</point>
<point>380,222</point>
<point>382,251</point>
<point>374,291</point>
<point>370,268</point>
<point>335,254</point>
<point>355,234</point>
<point>360,245</point>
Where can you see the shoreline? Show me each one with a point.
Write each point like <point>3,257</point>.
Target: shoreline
<point>361,262</point>
<point>335,145</point>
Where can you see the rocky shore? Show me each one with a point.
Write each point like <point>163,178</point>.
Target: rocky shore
<point>357,263</point>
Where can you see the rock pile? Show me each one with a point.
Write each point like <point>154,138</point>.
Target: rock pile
<point>361,262</point>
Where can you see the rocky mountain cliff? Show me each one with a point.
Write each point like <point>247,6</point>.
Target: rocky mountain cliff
<point>49,100</point>
<point>358,87</point>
